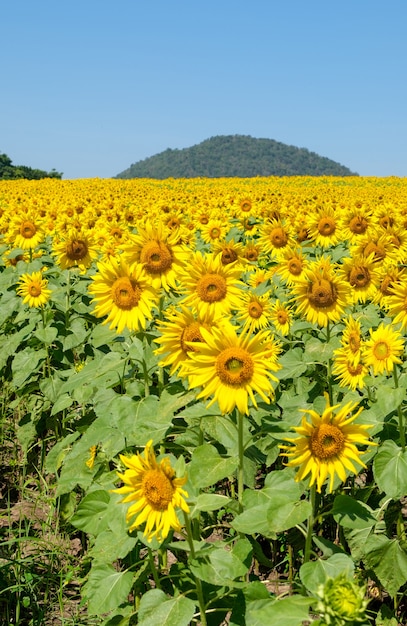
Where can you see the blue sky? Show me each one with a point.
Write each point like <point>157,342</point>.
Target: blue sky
<point>89,87</point>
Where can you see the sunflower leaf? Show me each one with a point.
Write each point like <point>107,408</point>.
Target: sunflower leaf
<point>156,608</point>
<point>390,469</point>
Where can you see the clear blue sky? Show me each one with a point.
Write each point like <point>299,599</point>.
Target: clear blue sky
<point>89,87</point>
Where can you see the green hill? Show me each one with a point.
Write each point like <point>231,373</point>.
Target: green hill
<point>8,171</point>
<point>235,156</point>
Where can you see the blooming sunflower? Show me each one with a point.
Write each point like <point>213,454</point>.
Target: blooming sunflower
<point>397,304</point>
<point>326,445</point>
<point>25,231</point>
<point>361,273</point>
<point>291,266</point>
<point>155,491</point>
<point>323,227</point>
<point>210,286</point>
<point>281,317</point>
<point>75,248</point>
<point>275,237</point>
<point>351,340</point>
<point>157,248</point>
<point>321,295</point>
<point>349,372</point>
<point>179,331</point>
<point>231,367</point>
<point>254,310</point>
<point>33,289</point>
<point>382,351</point>
<point>123,293</point>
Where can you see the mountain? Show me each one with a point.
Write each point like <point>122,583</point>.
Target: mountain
<point>240,156</point>
<point>8,171</point>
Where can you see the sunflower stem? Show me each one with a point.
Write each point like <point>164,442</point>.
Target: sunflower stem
<point>310,526</point>
<point>153,568</point>
<point>400,412</point>
<point>240,473</point>
<point>198,584</point>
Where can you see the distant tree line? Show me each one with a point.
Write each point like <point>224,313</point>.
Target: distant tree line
<point>8,171</point>
<point>235,156</point>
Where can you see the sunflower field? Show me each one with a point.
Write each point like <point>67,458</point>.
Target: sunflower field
<point>203,407</point>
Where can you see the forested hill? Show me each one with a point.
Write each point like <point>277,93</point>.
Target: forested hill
<point>8,171</point>
<point>235,156</point>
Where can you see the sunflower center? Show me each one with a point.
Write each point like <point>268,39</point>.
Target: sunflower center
<point>157,489</point>
<point>214,232</point>
<point>359,276</point>
<point>251,254</point>
<point>294,267</point>
<point>327,441</point>
<point>76,249</point>
<point>234,366</point>
<point>278,237</point>
<point>282,317</point>
<point>245,206</point>
<point>358,225</point>
<point>354,342</point>
<point>255,310</point>
<point>378,251</point>
<point>381,350</point>
<point>191,332</point>
<point>28,229</point>
<point>126,294</point>
<point>322,293</point>
<point>228,256</point>
<point>354,370</point>
<point>34,290</point>
<point>386,285</point>
<point>156,256</point>
<point>211,288</point>
<point>326,226</point>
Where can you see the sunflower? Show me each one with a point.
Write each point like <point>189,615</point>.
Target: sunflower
<point>327,445</point>
<point>231,367</point>
<point>291,266</point>
<point>25,231</point>
<point>323,227</point>
<point>33,289</point>
<point>75,248</point>
<point>349,372</point>
<point>351,340</point>
<point>281,317</point>
<point>361,273</point>
<point>275,238</point>
<point>397,304</point>
<point>210,286</point>
<point>355,223</point>
<point>124,294</point>
<point>179,331</point>
<point>382,351</point>
<point>321,295</point>
<point>155,492</point>
<point>229,251</point>
<point>254,310</point>
<point>214,230</point>
<point>390,276</point>
<point>157,248</point>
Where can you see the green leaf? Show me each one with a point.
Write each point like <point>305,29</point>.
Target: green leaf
<point>351,513</point>
<point>156,608</point>
<point>209,502</point>
<point>292,364</point>
<point>217,566</point>
<point>26,363</point>
<point>282,515</point>
<point>106,589</point>
<point>388,560</point>
<point>291,611</point>
<point>47,335</point>
<point>390,469</point>
<point>315,573</point>
<point>91,515</point>
<point>207,466</point>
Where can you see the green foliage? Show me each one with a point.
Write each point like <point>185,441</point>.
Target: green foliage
<point>8,171</point>
<point>235,156</point>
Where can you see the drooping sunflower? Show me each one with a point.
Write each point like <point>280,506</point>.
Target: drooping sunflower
<point>327,445</point>
<point>321,295</point>
<point>74,248</point>
<point>33,289</point>
<point>383,349</point>
<point>209,286</point>
<point>254,310</point>
<point>178,333</point>
<point>157,248</point>
<point>155,493</point>
<point>122,293</point>
<point>232,368</point>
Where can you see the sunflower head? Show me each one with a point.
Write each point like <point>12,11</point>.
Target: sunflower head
<point>342,602</point>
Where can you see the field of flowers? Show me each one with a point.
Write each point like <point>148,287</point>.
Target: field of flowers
<point>203,402</point>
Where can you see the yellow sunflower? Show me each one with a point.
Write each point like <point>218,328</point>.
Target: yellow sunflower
<point>323,227</point>
<point>178,333</point>
<point>383,350</point>
<point>275,237</point>
<point>361,273</point>
<point>281,317</point>
<point>349,372</point>
<point>25,231</point>
<point>155,492</point>
<point>124,294</point>
<point>326,445</point>
<point>229,251</point>
<point>75,248</point>
<point>397,304</point>
<point>254,310</point>
<point>157,248</point>
<point>321,295</point>
<point>351,340</point>
<point>33,289</point>
<point>291,266</point>
<point>232,367</point>
<point>209,286</point>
